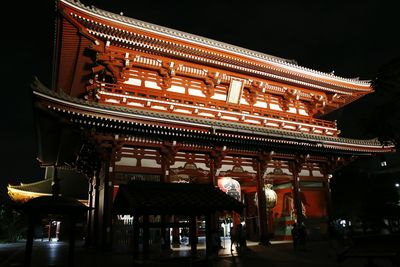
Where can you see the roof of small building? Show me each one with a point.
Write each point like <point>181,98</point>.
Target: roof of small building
<point>72,184</point>
<point>172,198</point>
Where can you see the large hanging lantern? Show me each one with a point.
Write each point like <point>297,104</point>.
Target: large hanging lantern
<point>270,197</point>
<point>230,186</point>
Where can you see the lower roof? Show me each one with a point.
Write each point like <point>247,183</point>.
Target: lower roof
<point>89,112</point>
<point>172,199</point>
<point>72,184</point>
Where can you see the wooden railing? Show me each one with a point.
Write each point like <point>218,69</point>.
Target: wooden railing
<point>184,104</point>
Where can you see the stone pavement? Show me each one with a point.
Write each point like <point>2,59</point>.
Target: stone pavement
<point>278,254</point>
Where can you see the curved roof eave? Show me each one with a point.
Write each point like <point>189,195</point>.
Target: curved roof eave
<point>213,44</point>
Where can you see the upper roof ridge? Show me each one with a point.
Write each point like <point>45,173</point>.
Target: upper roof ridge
<point>286,63</point>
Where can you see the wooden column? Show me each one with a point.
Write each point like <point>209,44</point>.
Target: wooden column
<point>146,236</point>
<point>295,167</point>
<point>110,200</point>
<point>213,177</point>
<point>135,235</point>
<point>164,179</point>
<point>106,188</point>
<point>297,198</point>
<point>262,206</point>
<point>165,233</point>
<point>214,162</point>
<point>327,169</point>
<point>89,219</point>
<point>175,233</point>
<point>167,152</point>
<point>260,165</point>
<point>95,212</point>
<point>193,235</point>
<point>106,199</point>
<point>327,173</point>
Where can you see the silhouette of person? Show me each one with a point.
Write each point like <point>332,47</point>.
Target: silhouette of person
<point>239,236</point>
<point>242,239</point>
<point>295,236</point>
<point>302,236</point>
<point>233,236</point>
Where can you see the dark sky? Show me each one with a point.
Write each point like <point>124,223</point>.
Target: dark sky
<point>353,38</point>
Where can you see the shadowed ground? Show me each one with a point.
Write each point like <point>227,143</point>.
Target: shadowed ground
<point>317,253</point>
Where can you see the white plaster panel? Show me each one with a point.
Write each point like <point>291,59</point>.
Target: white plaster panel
<point>133,81</point>
<point>219,97</point>
<point>275,106</point>
<point>149,163</point>
<point>261,104</point>
<point>317,173</point>
<point>126,162</point>
<point>152,84</point>
<point>177,89</point>
<point>196,92</point>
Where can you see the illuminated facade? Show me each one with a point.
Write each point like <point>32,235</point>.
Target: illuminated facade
<point>133,101</point>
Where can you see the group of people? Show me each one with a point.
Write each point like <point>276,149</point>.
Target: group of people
<point>299,236</point>
<point>238,237</point>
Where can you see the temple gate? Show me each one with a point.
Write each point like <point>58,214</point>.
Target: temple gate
<point>136,102</point>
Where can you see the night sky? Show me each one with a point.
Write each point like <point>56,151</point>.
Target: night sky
<point>352,38</point>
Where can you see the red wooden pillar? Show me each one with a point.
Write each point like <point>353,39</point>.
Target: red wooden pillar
<point>135,235</point>
<point>96,210</point>
<point>262,206</point>
<point>295,168</point>
<point>89,219</point>
<point>167,153</point>
<point>213,218</point>
<point>213,177</point>
<point>106,198</point>
<point>326,170</point>
<point>215,162</point>
<point>146,236</point>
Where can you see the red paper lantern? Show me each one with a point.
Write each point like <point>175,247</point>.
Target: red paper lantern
<point>230,186</point>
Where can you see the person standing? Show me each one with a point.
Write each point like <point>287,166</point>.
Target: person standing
<point>239,236</point>
<point>295,236</point>
<point>233,236</point>
<point>242,239</point>
<point>302,236</point>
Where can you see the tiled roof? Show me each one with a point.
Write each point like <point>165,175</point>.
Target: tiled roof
<point>42,186</point>
<point>71,185</point>
<point>153,28</point>
<point>173,199</point>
